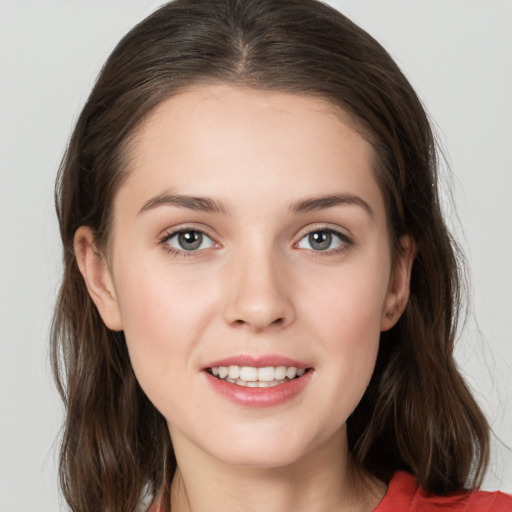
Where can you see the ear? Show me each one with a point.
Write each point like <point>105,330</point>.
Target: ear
<point>399,283</point>
<point>100,285</point>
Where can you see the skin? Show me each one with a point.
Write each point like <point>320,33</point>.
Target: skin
<point>256,286</point>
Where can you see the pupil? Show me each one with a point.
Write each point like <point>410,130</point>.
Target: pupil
<point>190,240</point>
<point>320,240</point>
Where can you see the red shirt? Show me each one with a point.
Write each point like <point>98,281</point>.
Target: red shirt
<point>405,495</point>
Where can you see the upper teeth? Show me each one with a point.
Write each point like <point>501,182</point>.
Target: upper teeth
<point>253,374</point>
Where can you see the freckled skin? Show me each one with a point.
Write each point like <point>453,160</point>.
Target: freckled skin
<point>255,288</point>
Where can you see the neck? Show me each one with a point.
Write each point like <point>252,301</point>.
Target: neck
<point>319,482</point>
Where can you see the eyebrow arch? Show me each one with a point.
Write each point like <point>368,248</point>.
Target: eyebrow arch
<point>328,201</point>
<point>203,204</point>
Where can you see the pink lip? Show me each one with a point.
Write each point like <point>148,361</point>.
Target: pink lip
<point>258,397</point>
<point>257,361</point>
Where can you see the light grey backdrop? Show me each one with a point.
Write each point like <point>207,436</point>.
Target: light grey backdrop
<point>458,55</point>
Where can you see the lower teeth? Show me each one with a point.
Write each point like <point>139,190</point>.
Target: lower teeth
<point>256,384</point>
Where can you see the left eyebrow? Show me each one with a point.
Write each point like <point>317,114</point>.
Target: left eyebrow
<point>203,204</point>
<point>328,201</point>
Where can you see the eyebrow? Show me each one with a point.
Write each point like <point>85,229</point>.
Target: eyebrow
<point>203,204</point>
<point>208,204</point>
<point>328,201</point>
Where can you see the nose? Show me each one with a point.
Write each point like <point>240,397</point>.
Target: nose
<point>256,297</point>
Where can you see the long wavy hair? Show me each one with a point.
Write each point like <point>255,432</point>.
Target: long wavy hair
<point>417,414</point>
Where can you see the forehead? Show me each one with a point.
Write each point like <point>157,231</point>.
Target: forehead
<point>222,140</point>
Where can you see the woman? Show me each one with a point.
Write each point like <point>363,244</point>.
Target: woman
<point>260,295</point>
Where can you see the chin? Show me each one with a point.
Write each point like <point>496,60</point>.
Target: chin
<point>265,447</point>
<point>263,459</point>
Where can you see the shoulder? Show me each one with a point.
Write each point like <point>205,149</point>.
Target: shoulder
<point>405,495</point>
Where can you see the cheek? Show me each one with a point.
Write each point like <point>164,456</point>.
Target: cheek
<point>163,317</point>
<point>350,330</point>
<point>346,315</point>
<point>347,304</point>
<point>158,302</point>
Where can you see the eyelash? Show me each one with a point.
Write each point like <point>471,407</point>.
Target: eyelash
<point>182,253</point>
<point>346,242</point>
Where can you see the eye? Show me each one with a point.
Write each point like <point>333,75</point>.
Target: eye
<point>324,240</point>
<point>187,240</point>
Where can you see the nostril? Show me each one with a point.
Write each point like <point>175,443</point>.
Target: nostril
<point>277,322</point>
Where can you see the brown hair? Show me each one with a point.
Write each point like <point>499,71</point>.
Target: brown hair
<point>417,414</point>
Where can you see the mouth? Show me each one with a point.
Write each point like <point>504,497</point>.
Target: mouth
<point>257,377</point>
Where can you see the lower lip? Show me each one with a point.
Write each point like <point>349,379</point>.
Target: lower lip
<point>259,397</point>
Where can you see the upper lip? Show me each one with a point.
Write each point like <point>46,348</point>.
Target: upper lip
<point>257,361</point>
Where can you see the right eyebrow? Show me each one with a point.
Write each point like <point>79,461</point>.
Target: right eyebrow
<point>330,200</point>
<point>203,204</point>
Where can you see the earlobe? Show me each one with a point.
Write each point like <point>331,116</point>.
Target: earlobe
<point>399,283</point>
<point>94,269</point>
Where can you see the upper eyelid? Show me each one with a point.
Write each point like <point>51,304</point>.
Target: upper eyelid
<point>342,232</point>
<point>168,233</point>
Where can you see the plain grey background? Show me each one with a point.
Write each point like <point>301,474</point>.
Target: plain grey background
<point>457,54</point>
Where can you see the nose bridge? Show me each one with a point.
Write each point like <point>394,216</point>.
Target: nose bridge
<point>257,294</point>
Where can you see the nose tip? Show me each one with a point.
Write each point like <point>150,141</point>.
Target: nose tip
<point>257,301</point>
<point>256,319</point>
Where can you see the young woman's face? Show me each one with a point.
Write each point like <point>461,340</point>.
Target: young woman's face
<point>251,238</point>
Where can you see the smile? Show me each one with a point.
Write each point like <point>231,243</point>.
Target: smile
<point>256,377</point>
